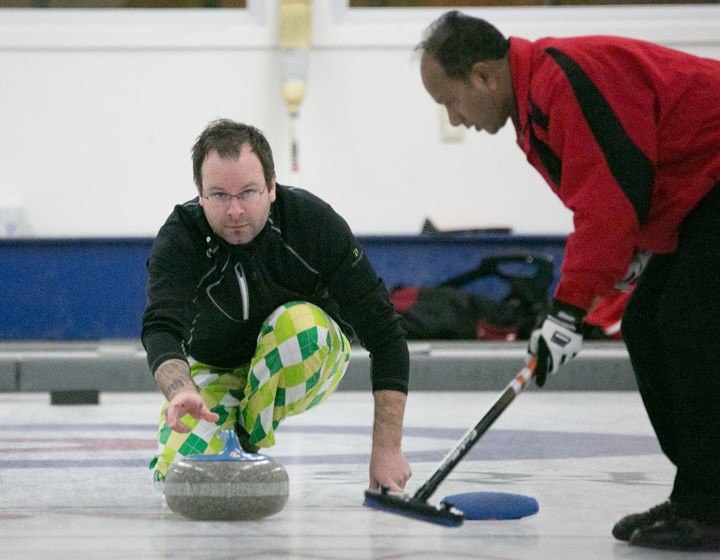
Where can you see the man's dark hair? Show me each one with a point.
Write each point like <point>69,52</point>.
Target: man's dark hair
<point>227,138</point>
<point>458,41</point>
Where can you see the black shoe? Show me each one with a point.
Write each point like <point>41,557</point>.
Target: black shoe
<point>627,525</point>
<point>244,439</point>
<point>678,534</point>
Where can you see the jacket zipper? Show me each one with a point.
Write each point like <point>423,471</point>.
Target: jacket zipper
<point>244,292</point>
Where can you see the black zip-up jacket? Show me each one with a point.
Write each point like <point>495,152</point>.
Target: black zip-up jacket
<point>208,299</point>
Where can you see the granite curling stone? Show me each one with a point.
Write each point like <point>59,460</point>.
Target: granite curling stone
<point>232,485</point>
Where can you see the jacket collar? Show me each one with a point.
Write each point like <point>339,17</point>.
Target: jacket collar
<point>521,52</point>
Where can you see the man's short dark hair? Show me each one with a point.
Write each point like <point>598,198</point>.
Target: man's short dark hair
<point>227,138</point>
<point>457,41</point>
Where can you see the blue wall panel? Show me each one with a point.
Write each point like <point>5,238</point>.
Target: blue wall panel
<point>91,289</point>
<point>75,289</point>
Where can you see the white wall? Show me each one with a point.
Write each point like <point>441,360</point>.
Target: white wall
<point>99,110</point>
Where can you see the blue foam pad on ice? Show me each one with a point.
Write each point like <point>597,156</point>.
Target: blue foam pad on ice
<point>493,505</point>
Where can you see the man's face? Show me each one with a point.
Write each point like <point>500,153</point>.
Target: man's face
<point>477,102</point>
<point>235,198</point>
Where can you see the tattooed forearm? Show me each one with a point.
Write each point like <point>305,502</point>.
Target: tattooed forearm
<point>172,376</point>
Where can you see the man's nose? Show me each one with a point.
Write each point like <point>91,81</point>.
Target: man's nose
<point>454,118</point>
<point>235,208</point>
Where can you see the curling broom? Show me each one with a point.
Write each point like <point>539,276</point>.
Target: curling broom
<point>416,506</point>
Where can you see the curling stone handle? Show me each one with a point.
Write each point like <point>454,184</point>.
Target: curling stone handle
<point>232,443</point>
<point>231,451</point>
<point>232,448</point>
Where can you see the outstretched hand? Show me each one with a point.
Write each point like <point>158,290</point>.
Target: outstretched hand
<point>389,469</point>
<point>187,402</point>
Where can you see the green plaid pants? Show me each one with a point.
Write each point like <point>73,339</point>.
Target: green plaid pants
<point>300,357</point>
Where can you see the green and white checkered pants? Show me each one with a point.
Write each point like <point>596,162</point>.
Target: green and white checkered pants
<point>301,356</point>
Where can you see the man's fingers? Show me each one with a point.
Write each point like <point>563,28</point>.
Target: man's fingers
<point>206,414</point>
<point>175,424</point>
<point>172,417</point>
<point>182,428</point>
<point>391,486</point>
<point>175,413</point>
<point>394,488</point>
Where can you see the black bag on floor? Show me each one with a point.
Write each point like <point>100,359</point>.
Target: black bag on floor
<point>449,311</point>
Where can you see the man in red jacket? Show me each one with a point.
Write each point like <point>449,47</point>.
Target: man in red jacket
<point>627,134</point>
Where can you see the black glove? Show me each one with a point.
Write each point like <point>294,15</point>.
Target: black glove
<point>556,340</point>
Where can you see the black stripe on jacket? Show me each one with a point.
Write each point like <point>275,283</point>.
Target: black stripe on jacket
<point>550,160</point>
<point>631,168</point>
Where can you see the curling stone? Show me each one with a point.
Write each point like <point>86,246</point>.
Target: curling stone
<point>232,485</point>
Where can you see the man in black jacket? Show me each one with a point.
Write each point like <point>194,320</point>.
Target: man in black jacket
<point>253,288</point>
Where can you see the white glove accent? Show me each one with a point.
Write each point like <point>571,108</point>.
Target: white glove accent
<point>562,343</point>
<point>556,341</point>
<point>637,265</point>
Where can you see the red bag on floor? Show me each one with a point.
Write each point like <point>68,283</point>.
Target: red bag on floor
<point>449,311</point>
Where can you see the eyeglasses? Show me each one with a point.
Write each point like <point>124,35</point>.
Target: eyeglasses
<point>247,197</point>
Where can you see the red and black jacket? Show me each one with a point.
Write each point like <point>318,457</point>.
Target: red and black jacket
<point>627,134</point>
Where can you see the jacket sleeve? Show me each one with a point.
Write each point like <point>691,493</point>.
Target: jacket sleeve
<point>167,318</point>
<point>364,303</point>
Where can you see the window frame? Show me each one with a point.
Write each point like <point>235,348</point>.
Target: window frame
<point>92,28</point>
<point>678,25</point>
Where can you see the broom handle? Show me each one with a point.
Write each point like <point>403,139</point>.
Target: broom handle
<point>514,388</point>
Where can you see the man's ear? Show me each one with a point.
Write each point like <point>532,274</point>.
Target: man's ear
<point>483,74</point>
<point>272,190</point>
